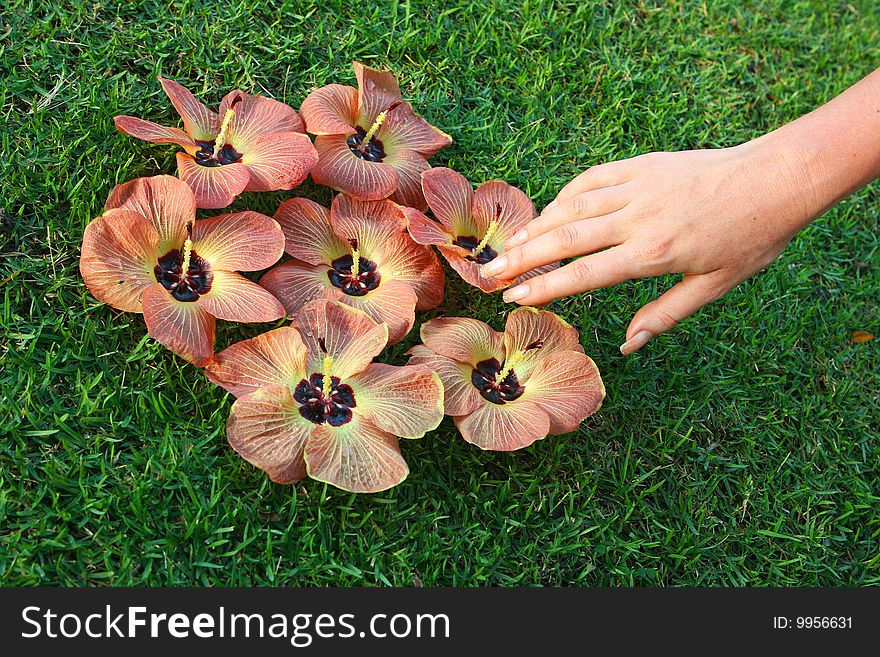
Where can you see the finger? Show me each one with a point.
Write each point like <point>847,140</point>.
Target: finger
<point>680,301</point>
<point>583,206</point>
<point>601,269</point>
<point>574,239</point>
<point>597,177</point>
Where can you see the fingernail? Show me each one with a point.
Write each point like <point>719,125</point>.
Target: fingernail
<point>494,267</point>
<point>515,293</point>
<point>520,237</point>
<point>638,341</point>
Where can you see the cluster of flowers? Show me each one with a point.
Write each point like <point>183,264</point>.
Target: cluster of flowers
<point>310,399</point>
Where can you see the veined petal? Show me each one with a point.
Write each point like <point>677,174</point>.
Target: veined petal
<point>376,91</point>
<point>348,335</point>
<point>330,110</point>
<point>294,283</point>
<point>527,326</point>
<point>273,358</point>
<point>165,201</point>
<point>267,430</point>
<point>393,302</point>
<point>424,230</point>
<point>279,160</point>
<point>451,199</point>
<point>405,401</point>
<point>409,166</point>
<point>517,210</point>
<point>371,223</point>
<point>342,170</point>
<point>403,259</point>
<point>183,327</point>
<point>236,299</point>
<point>153,132</point>
<point>463,339</point>
<point>239,241</point>
<point>404,129</point>
<point>213,187</point>
<point>568,387</point>
<point>119,252</point>
<point>504,428</point>
<point>308,235</point>
<point>199,122</point>
<point>256,116</point>
<point>357,457</point>
<point>469,270</point>
<point>460,397</point>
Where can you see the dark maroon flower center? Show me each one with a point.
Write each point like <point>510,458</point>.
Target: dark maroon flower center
<point>334,409</point>
<point>358,285</point>
<point>470,243</point>
<point>483,377</point>
<point>184,287</point>
<point>226,155</point>
<point>372,152</point>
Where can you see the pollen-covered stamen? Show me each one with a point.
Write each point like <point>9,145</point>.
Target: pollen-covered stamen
<point>220,141</point>
<point>377,124</point>
<point>490,231</point>
<point>515,360</point>
<point>327,373</point>
<point>355,257</point>
<point>187,247</point>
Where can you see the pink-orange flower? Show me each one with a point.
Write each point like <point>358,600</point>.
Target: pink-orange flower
<point>370,142</point>
<point>359,253</point>
<point>311,402</point>
<point>255,144</point>
<point>147,254</point>
<point>473,226</point>
<point>505,391</point>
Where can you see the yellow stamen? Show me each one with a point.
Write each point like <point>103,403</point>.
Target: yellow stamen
<point>377,124</point>
<point>509,364</point>
<point>488,236</point>
<point>355,261</point>
<point>224,128</point>
<point>187,250</point>
<point>327,376</point>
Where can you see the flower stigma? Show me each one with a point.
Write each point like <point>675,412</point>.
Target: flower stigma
<point>376,125</point>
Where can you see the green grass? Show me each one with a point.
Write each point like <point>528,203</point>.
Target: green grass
<point>742,449</point>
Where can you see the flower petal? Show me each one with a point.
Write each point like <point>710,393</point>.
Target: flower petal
<point>424,230</point>
<point>460,397</point>
<point>393,303</point>
<point>409,166</point>
<point>526,326</point>
<point>165,201</point>
<point>308,235</point>
<point>279,160</point>
<point>504,428</point>
<point>357,457</point>
<point>568,387</point>
<point>376,91</point>
<point>294,283</point>
<point>267,430</point>
<point>371,223</point>
<point>257,116</point>
<point>238,241</point>
<point>404,129</point>
<point>199,122</point>
<point>537,271</point>
<point>403,259</point>
<point>213,187</point>
<point>349,335</point>
<point>153,132</point>
<point>517,210</point>
<point>276,357</point>
<point>236,299</point>
<point>183,327</point>
<point>451,199</point>
<point>405,401</point>
<point>342,170</point>
<point>330,110</point>
<point>119,252</point>
<point>469,270</point>
<point>462,339</point>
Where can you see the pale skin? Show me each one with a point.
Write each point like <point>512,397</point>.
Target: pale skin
<point>716,216</point>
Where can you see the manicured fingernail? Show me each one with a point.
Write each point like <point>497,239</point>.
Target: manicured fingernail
<point>638,341</point>
<point>494,267</point>
<point>515,293</point>
<point>520,237</point>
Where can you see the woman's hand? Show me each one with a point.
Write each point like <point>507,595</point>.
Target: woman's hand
<point>716,216</point>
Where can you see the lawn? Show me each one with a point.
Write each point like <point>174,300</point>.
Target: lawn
<point>741,449</point>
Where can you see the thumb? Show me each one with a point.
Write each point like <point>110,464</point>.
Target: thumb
<point>680,301</point>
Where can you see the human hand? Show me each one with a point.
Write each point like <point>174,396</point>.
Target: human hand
<point>716,216</point>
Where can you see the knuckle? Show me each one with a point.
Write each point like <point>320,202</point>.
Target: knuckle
<point>666,319</point>
<point>580,204</point>
<point>656,251</point>
<point>579,270</point>
<point>567,237</point>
